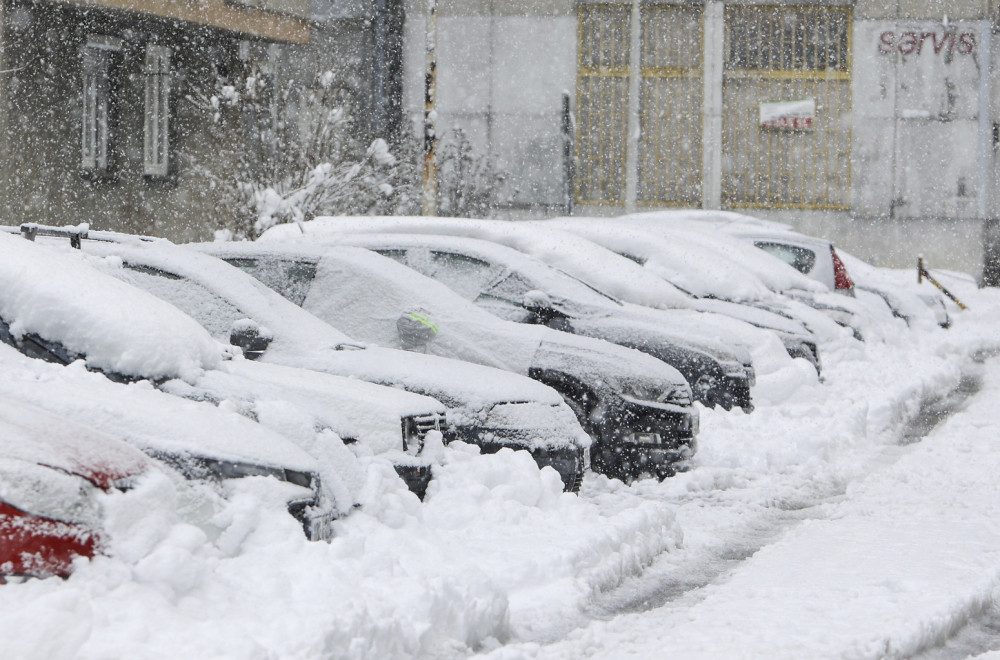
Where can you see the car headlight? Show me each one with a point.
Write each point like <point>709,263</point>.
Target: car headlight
<point>645,390</point>
<point>705,384</point>
<point>734,369</point>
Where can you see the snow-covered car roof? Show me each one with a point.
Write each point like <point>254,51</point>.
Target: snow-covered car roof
<point>117,327</point>
<point>300,339</point>
<point>690,265</point>
<point>550,279</point>
<point>707,217</point>
<point>599,267</point>
<point>774,273</point>
<point>369,292</point>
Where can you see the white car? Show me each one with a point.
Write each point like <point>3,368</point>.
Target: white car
<point>488,407</point>
<point>636,408</point>
<point>55,306</point>
<point>599,267</point>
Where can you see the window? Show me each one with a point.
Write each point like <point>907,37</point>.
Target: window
<point>291,279</point>
<point>156,131</point>
<point>799,258</point>
<point>466,276</point>
<point>96,148</point>
<point>212,312</point>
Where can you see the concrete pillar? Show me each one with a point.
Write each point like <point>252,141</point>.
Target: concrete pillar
<point>632,120</point>
<point>711,131</point>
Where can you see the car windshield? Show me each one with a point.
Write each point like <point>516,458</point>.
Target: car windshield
<point>214,313</point>
<point>290,278</point>
<point>799,258</point>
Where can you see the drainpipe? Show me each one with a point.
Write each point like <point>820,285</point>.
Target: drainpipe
<point>429,205</point>
<point>985,124</point>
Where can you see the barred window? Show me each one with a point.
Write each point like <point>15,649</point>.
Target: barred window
<point>156,131</point>
<point>97,120</point>
<point>789,39</point>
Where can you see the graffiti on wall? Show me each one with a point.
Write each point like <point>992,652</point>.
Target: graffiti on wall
<point>927,43</point>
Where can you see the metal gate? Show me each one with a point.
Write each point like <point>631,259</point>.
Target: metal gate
<point>670,104</point>
<point>787,54</point>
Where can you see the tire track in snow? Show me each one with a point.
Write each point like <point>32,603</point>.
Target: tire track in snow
<point>678,578</point>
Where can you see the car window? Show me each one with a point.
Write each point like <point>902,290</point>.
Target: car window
<point>288,277</point>
<point>510,289</point>
<point>395,255</point>
<point>36,347</point>
<point>800,258</point>
<point>466,276</point>
<point>214,313</point>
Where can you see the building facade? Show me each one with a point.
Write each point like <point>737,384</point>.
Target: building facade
<point>106,110</point>
<point>870,122</point>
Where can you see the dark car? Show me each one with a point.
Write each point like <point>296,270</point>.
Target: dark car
<point>636,409</point>
<point>517,287</point>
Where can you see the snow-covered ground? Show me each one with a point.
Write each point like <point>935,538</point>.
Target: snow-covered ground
<point>822,525</point>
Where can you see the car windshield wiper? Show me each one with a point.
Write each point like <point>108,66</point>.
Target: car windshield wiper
<point>347,346</point>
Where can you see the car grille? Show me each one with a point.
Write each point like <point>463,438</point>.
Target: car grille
<point>416,427</point>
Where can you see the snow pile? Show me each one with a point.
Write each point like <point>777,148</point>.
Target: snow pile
<point>192,574</point>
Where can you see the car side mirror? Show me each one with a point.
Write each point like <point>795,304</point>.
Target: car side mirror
<point>539,305</point>
<point>416,330</point>
<point>250,337</point>
<point>537,302</point>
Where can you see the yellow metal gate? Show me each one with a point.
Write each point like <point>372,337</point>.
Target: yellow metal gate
<point>785,54</point>
<point>670,104</point>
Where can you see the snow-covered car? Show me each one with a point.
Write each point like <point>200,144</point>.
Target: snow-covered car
<point>197,440</point>
<point>518,287</point>
<point>819,259</point>
<point>718,231</point>
<point>55,306</point>
<point>636,408</point>
<point>715,283</point>
<point>600,268</point>
<point>52,471</point>
<point>488,407</point>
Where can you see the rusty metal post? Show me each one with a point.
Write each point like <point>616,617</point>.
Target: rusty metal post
<point>568,164</point>
<point>430,182</point>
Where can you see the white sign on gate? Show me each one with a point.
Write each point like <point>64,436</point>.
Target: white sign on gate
<point>798,114</point>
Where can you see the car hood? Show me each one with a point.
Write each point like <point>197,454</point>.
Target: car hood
<point>597,362</point>
<point>283,396</point>
<point>454,383</point>
<point>758,314</point>
<point>32,435</point>
<point>146,418</point>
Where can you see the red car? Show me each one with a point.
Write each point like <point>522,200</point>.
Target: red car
<point>52,472</point>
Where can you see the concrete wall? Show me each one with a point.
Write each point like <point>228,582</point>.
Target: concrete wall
<point>915,120</point>
<point>501,78</point>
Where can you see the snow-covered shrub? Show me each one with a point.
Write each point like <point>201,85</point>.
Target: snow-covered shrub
<point>468,184</point>
<point>302,153</point>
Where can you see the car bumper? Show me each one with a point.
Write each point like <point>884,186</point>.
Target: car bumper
<point>641,438</point>
<point>416,478</point>
<point>317,523</point>
<point>567,459</point>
